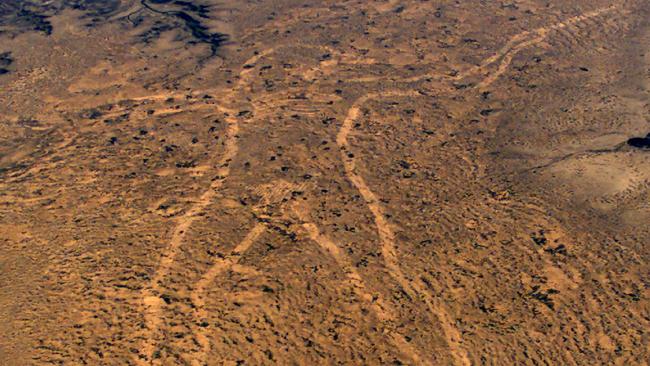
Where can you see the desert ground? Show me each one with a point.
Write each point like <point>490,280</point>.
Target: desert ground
<point>311,182</point>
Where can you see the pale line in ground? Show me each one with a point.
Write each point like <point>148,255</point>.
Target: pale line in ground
<point>151,300</point>
<point>516,43</point>
<point>386,234</point>
<point>273,193</point>
<point>200,288</point>
<point>382,310</point>
<point>508,52</point>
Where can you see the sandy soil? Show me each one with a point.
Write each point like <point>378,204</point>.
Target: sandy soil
<point>316,182</point>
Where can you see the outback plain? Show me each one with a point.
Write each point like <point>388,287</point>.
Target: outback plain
<point>291,182</point>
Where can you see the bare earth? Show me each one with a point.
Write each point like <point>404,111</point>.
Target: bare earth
<point>297,182</point>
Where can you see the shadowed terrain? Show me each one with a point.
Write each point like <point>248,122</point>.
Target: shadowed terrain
<point>315,182</point>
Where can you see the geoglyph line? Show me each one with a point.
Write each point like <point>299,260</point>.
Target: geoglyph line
<point>382,310</point>
<point>277,192</point>
<point>151,301</point>
<point>515,45</point>
<point>508,52</point>
<point>385,231</point>
<point>200,288</point>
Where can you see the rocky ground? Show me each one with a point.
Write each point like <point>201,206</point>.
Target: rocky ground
<point>317,182</point>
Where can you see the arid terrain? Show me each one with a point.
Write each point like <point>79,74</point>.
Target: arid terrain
<point>303,182</point>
